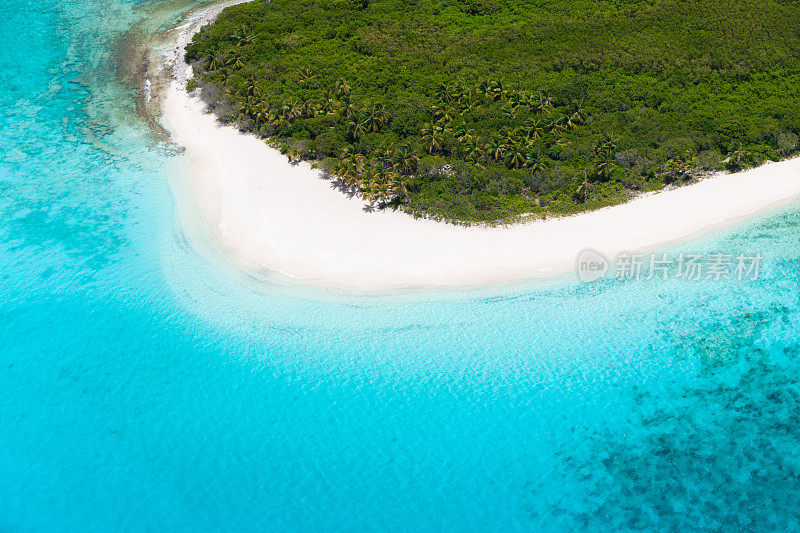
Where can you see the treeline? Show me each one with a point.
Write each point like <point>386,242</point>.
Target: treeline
<point>484,110</point>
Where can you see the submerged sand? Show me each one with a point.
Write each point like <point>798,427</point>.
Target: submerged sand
<point>266,213</point>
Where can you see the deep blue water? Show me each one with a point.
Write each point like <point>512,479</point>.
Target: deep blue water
<point>146,387</point>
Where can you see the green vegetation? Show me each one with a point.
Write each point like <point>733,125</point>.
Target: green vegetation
<point>486,110</point>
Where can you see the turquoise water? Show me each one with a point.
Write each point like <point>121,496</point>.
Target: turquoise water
<point>146,387</point>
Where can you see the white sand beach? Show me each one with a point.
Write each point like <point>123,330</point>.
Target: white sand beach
<point>267,213</point>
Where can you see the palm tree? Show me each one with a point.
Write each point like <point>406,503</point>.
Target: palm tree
<point>604,147</point>
<point>216,62</point>
<point>432,137</point>
<point>251,89</point>
<point>371,122</point>
<point>483,88</point>
<point>535,163</point>
<point>525,98</point>
<point>350,166</point>
<point>347,153</point>
<point>293,153</point>
<point>442,113</point>
<point>508,136</point>
<point>514,99</point>
<point>242,37</point>
<point>330,106</point>
<point>346,108</point>
<point>464,92</point>
<point>305,75</point>
<point>558,124</point>
<point>463,134</point>
<point>275,118</point>
<point>544,104</point>
<point>246,107</point>
<point>578,114</point>
<point>405,160</point>
<point>582,192</point>
<point>342,88</point>
<point>293,108</point>
<point>516,156</point>
<point>533,131</point>
<point>385,156</point>
<point>475,152</point>
<point>509,111</point>
<point>496,90</point>
<point>444,92</point>
<point>381,188</point>
<point>308,109</point>
<point>234,61</point>
<point>260,113</point>
<point>604,157</point>
<point>495,149</point>
<point>360,163</point>
<point>370,186</point>
<point>355,165</point>
<point>671,169</point>
<point>357,128</point>
<point>398,185</point>
<point>567,124</point>
<point>381,114</point>
<point>377,117</point>
<point>561,141</point>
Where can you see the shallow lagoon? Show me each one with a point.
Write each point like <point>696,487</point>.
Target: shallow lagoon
<point>147,385</point>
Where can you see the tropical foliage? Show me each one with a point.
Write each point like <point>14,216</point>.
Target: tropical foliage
<point>486,110</point>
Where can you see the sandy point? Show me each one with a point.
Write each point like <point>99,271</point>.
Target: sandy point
<point>267,213</point>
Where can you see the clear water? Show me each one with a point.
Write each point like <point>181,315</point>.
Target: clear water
<point>144,387</point>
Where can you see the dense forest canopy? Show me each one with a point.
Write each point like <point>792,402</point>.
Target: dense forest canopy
<point>486,110</point>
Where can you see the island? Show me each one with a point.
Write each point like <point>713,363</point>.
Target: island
<point>488,110</point>
<point>555,132</point>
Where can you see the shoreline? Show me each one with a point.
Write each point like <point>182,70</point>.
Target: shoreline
<point>272,217</point>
